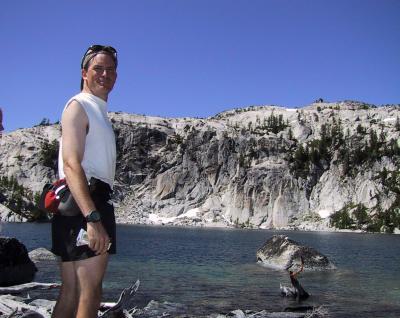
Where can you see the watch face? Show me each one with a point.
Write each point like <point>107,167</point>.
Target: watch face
<point>94,216</point>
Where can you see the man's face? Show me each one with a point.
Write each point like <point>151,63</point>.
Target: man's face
<point>100,76</point>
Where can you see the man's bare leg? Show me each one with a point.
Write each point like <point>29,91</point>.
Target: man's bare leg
<point>90,273</point>
<point>67,301</point>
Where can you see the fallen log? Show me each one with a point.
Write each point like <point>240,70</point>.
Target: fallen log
<point>18,289</point>
<point>15,307</point>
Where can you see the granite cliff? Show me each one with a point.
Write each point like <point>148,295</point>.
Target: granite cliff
<point>324,165</point>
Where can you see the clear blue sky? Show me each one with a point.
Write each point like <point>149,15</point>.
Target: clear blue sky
<point>180,58</point>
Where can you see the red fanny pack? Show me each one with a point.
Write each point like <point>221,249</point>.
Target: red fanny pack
<point>56,198</point>
<point>51,196</point>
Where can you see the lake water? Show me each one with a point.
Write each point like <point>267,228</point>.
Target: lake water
<point>215,270</point>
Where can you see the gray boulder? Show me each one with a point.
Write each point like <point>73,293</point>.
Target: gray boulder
<point>15,265</point>
<point>281,252</point>
<point>41,254</point>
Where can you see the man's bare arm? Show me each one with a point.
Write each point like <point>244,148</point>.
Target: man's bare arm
<point>74,124</point>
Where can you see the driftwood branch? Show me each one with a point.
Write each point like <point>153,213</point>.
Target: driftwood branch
<point>17,289</point>
<point>124,302</point>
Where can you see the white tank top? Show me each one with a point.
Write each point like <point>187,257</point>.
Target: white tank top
<point>100,149</point>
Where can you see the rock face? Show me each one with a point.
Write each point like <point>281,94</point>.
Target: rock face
<point>266,166</point>
<point>281,252</point>
<point>7,215</point>
<point>15,264</point>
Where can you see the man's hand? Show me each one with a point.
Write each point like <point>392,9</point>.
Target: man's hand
<point>98,237</point>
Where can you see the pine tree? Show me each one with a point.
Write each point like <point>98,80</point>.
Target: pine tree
<point>290,133</point>
<point>397,126</point>
<point>360,129</point>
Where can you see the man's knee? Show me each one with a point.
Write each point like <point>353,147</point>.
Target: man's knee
<point>90,274</point>
<point>91,288</point>
<point>91,271</point>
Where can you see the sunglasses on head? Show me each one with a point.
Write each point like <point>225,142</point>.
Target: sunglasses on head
<point>98,48</point>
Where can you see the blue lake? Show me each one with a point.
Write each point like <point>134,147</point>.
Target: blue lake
<point>215,270</point>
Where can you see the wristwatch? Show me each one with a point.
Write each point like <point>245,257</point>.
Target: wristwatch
<point>93,216</point>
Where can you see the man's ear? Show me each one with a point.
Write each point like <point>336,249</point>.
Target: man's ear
<point>83,78</point>
<point>84,73</point>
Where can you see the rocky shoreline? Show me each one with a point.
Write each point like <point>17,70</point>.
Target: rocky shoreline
<point>305,227</point>
<point>17,306</point>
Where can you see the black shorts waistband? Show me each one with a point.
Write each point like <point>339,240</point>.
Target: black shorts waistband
<point>98,187</point>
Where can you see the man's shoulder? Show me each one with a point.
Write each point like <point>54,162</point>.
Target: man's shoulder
<point>80,98</point>
<point>85,100</point>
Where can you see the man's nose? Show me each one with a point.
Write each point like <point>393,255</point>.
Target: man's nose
<point>106,72</point>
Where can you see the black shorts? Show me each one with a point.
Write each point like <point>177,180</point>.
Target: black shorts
<point>65,229</point>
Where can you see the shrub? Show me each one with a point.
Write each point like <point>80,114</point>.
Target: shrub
<point>341,219</point>
<point>49,154</point>
<point>361,216</point>
<point>44,122</point>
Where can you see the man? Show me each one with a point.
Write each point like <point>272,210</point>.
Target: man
<point>87,155</point>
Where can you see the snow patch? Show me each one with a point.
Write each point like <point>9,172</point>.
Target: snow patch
<point>324,213</point>
<point>165,220</point>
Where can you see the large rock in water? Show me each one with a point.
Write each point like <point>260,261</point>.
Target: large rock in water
<point>282,252</point>
<point>15,265</point>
